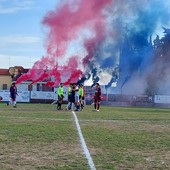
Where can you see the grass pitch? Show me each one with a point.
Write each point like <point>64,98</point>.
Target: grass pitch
<point>38,137</point>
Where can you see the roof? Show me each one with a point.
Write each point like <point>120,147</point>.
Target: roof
<point>4,72</point>
<point>25,70</point>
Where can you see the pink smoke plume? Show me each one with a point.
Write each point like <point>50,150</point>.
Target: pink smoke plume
<point>64,25</point>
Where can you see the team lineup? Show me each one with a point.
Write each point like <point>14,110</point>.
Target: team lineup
<point>76,97</point>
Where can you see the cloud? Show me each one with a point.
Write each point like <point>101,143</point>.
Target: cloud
<point>25,61</point>
<point>19,39</point>
<point>14,6</point>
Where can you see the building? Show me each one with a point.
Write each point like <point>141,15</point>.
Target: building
<point>7,76</point>
<point>38,92</point>
<point>5,79</point>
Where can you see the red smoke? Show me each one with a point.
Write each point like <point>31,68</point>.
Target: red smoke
<point>64,25</point>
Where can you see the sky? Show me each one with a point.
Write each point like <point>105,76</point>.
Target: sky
<point>22,34</point>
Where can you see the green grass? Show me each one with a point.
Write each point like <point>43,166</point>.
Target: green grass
<point>37,136</point>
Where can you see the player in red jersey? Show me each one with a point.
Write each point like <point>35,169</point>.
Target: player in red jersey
<point>97,97</point>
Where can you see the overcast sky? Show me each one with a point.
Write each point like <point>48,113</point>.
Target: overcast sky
<point>22,35</point>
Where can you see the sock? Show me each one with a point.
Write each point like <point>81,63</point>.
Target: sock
<point>68,106</point>
<point>98,106</point>
<point>72,106</point>
<point>95,105</point>
<point>81,106</point>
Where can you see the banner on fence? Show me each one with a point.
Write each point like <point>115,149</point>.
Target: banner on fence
<point>161,99</point>
<point>23,96</point>
<point>42,95</point>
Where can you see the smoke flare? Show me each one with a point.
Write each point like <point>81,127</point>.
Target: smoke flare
<point>112,40</point>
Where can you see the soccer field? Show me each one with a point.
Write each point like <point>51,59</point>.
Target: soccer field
<point>37,136</point>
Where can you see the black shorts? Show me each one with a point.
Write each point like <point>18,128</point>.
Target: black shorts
<point>13,97</point>
<point>72,99</point>
<point>80,97</point>
<point>97,99</point>
<point>69,97</point>
<point>60,97</point>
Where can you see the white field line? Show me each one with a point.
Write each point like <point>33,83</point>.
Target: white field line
<point>87,120</point>
<point>83,144</point>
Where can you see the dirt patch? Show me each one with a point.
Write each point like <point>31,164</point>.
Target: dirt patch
<point>19,156</point>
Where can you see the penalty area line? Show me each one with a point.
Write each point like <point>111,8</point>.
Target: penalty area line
<point>83,144</point>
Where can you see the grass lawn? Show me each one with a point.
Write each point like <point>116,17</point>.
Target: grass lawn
<point>38,137</point>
